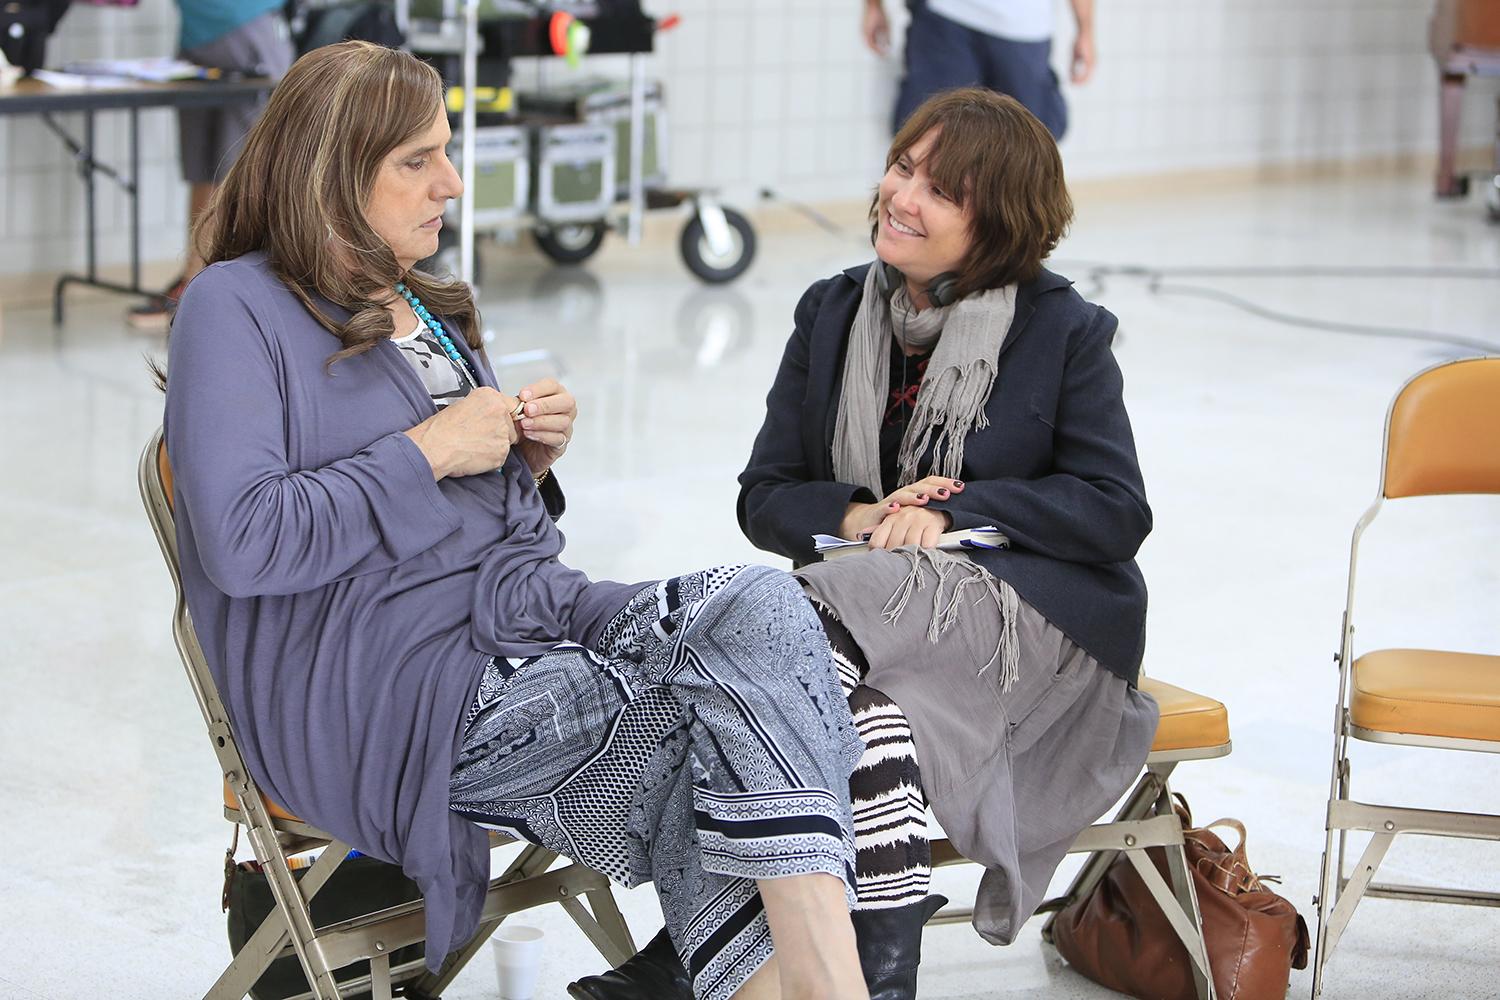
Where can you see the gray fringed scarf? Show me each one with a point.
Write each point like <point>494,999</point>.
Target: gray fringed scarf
<point>950,404</point>
<point>953,394</point>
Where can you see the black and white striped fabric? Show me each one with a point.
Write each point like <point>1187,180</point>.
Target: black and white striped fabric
<point>893,865</point>
<point>674,753</point>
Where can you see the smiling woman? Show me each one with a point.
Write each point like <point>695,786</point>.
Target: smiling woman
<point>972,187</point>
<point>922,229</point>
<point>956,383</point>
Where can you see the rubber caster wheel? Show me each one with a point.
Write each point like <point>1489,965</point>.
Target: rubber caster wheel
<point>717,268</point>
<point>573,243</point>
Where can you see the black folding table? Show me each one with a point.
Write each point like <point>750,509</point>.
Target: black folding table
<point>32,97</point>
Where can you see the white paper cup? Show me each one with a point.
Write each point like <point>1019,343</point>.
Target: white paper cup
<point>518,958</point>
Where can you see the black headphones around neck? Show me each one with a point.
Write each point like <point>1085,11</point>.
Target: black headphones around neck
<point>941,291</point>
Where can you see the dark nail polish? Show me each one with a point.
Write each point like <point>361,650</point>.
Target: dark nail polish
<point>958,483</point>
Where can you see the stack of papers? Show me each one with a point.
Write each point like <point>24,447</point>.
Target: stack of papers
<point>156,70</point>
<point>75,81</point>
<point>987,537</point>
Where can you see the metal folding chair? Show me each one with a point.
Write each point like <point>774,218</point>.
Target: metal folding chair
<point>1442,437</point>
<point>1192,727</point>
<point>276,835</point>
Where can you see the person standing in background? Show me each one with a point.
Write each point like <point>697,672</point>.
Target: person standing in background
<point>248,37</point>
<point>1004,45</point>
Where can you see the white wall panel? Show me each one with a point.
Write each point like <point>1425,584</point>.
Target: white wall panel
<point>783,95</point>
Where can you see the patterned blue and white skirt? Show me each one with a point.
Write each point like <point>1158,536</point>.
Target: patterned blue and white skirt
<point>703,745</point>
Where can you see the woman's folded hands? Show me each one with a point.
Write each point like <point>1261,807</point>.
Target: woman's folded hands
<point>902,518</point>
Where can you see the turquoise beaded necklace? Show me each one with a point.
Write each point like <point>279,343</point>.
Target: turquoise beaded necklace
<point>444,341</point>
<point>450,349</point>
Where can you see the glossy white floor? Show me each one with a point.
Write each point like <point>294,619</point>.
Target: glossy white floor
<point>1259,441</point>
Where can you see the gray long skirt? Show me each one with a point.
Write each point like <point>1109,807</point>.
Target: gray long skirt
<point>705,744</point>
<point>1012,772</point>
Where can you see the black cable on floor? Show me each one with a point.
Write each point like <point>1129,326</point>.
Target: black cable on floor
<point>809,213</point>
<point>1330,326</point>
<point>1157,284</point>
<point>1096,274</point>
<point>1301,271</point>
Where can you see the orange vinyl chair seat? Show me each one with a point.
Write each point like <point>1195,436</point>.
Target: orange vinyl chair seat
<point>1427,692</point>
<point>231,801</point>
<point>1188,721</point>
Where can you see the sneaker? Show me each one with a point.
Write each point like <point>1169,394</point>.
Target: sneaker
<point>155,314</point>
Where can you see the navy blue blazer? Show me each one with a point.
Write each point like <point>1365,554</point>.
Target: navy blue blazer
<point>1056,468</point>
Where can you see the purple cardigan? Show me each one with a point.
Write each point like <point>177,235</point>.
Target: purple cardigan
<point>346,602</point>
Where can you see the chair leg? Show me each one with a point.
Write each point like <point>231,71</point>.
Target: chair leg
<point>1359,880</point>
<point>293,904</point>
<point>270,937</point>
<point>533,860</point>
<point>1187,899</point>
<point>266,944</point>
<point>612,923</point>
<point>1331,871</point>
<point>1327,891</point>
<point>1345,783</point>
<point>1191,936</point>
<point>1145,794</point>
<point>380,977</point>
<point>251,961</point>
<point>601,939</point>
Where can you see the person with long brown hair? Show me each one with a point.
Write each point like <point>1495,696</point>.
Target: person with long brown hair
<point>369,556</point>
<point>956,383</point>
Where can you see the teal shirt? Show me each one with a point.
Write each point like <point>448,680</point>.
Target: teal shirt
<point>204,21</point>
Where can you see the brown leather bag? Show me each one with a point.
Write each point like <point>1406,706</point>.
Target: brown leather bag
<point>1118,936</point>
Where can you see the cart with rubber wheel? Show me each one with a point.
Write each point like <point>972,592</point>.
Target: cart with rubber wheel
<point>464,37</point>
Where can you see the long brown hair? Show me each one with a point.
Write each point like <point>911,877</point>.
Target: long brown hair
<point>996,159</point>
<point>299,188</point>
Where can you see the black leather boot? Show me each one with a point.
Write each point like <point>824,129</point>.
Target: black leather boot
<point>890,947</point>
<point>653,973</point>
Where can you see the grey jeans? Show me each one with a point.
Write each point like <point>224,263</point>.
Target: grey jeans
<point>1012,774</point>
<point>209,139</point>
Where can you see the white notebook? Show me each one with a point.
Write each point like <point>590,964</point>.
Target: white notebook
<point>987,537</point>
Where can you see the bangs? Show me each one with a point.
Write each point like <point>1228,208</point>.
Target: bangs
<point>953,161</point>
<point>999,164</point>
<point>963,147</point>
<point>415,95</point>
<point>400,109</point>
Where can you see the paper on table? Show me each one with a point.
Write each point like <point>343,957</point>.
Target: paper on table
<point>986,537</point>
<point>151,70</point>
<point>73,81</point>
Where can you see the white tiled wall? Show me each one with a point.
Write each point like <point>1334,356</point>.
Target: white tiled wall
<point>42,224</point>
<point>1180,84</point>
<point>782,94</point>
<point>1213,83</point>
